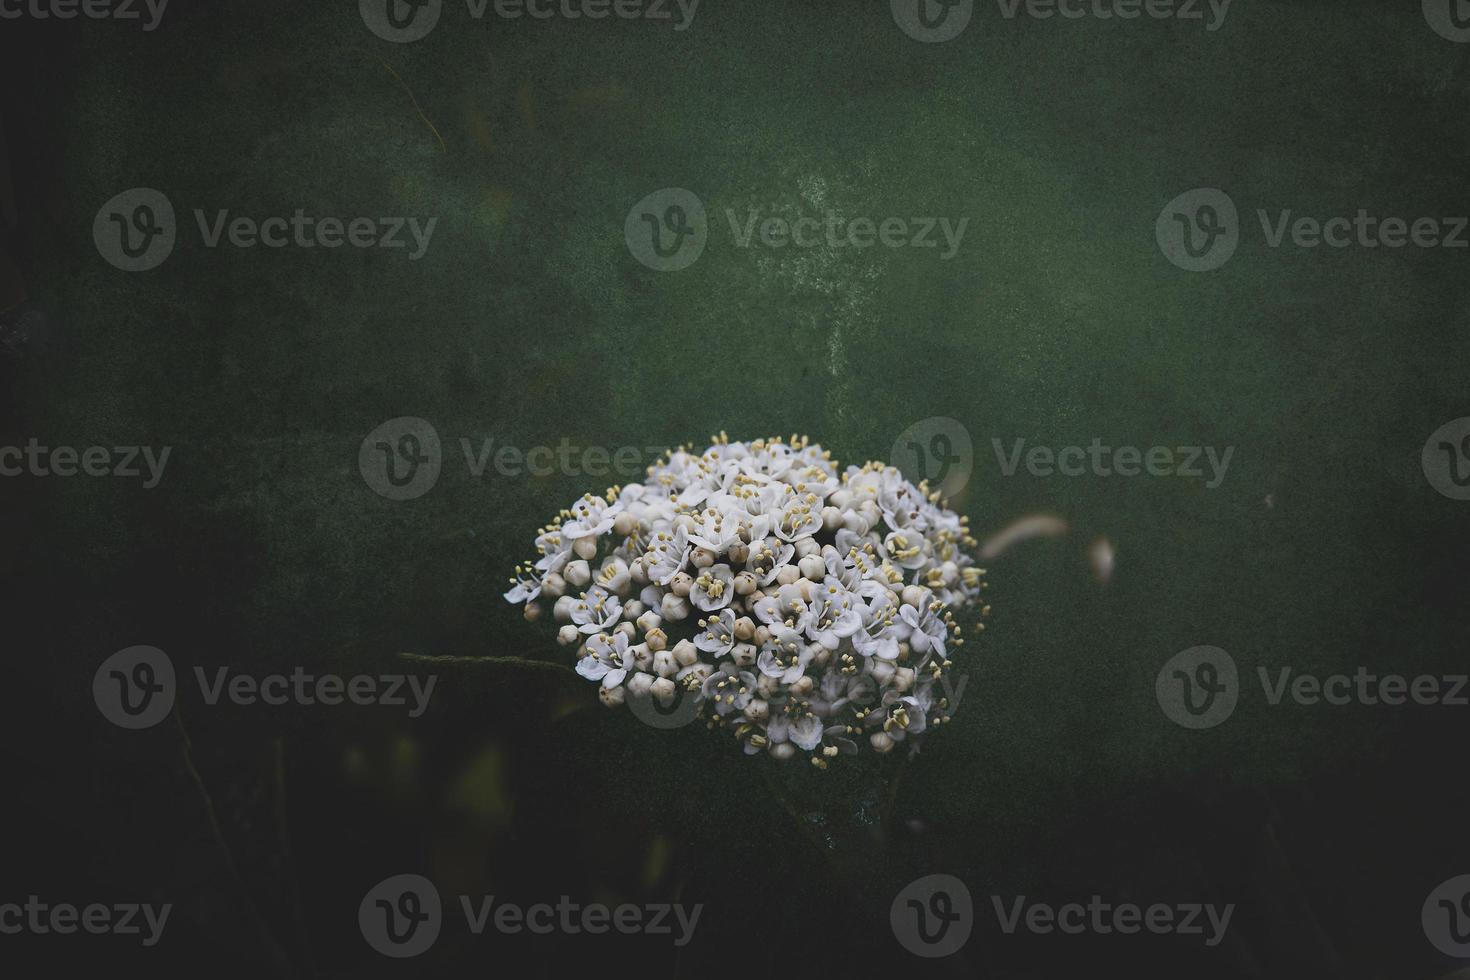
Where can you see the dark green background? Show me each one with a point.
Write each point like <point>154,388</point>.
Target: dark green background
<point>528,321</point>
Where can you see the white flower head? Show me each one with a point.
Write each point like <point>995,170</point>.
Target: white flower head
<point>795,603</point>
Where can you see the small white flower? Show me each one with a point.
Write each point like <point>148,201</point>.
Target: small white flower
<point>591,517</point>
<point>717,634</point>
<point>713,589</point>
<point>596,611</point>
<point>607,659</point>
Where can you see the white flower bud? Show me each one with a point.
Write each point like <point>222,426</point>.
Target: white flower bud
<point>903,679</point>
<point>854,521</point>
<point>639,571</point>
<point>702,557</point>
<point>577,573</point>
<point>782,750</point>
<point>681,584</point>
<point>675,608</point>
<point>562,610</point>
<point>882,671</point>
<point>639,684</point>
<point>822,657</point>
<point>664,664</point>
<point>766,686</point>
<point>788,574</point>
<point>656,639</point>
<point>870,512</point>
<point>739,553</point>
<point>840,499</point>
<point>744,628</point>
<point>568,635</point>
<point>648,621</point>
<point>813,568</point>
<point>553,586</point>
<point>627,629</point>
<point>585,548</point>
<point>807,546</point>
<point>664,691</point>
<point>881,742</point>
<point>686,654</point>
<point>744,655</point>
<point>949,572</point>
<point>913,595</point>
<point>633,608</point>
<point>762,635</point>
<point>611,696</point>
<point>803,685</point>
<point>642,656</point>
<point>757,710</point>
<point>624,524</point>
<point>532,613</point>
<point>831,519</point>
<point>745,583</point>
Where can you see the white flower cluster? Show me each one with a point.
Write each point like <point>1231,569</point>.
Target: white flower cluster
<point>802,608</point>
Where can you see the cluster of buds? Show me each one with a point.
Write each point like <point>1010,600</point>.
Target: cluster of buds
<point>803,609</point>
